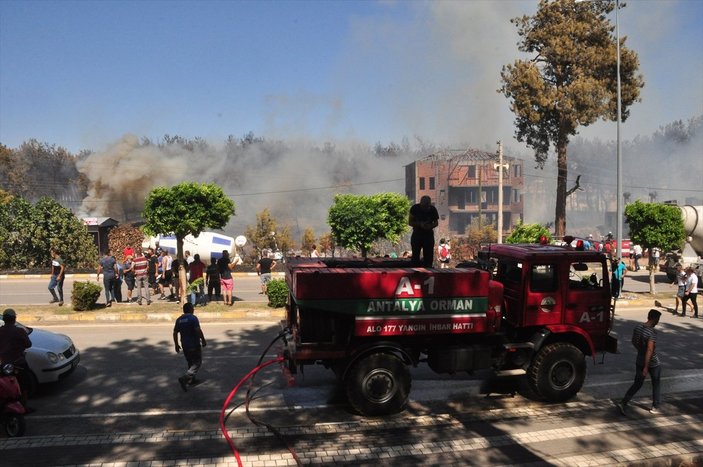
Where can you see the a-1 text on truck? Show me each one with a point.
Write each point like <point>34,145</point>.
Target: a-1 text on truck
<point>539,311</point>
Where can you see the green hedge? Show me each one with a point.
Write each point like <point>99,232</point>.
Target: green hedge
<point>84,295</point>
<point>277,292</point>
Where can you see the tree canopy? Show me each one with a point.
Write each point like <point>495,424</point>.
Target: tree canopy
<point>569,81</point>
<point>358,220</point>
<point>27,232</point>
<point>528,233</point>
<point>655,225</point>
<point>188,208</point>
<point>267,234</point>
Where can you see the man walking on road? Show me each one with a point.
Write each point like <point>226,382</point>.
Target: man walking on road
<point>58,270</point>
<point>644,339</point>
<point>691,292</point>
<point>188,326</point>
<point>263,269</point>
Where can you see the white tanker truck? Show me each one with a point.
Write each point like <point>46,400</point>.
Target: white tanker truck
<point>208,244</point>
<point>693,249</point>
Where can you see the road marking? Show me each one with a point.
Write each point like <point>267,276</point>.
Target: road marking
<point>686,375</point>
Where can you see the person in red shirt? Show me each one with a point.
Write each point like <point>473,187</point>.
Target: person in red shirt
<point>129,251</point>
<point>197,271</point>
<point>140,266</point>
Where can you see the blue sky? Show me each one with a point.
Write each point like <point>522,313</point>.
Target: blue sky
<point>81,74</point>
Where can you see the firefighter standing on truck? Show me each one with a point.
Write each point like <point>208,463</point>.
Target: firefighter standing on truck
<point>423,219</point>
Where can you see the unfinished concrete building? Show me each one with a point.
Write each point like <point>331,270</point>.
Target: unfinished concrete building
<point>464,186</point>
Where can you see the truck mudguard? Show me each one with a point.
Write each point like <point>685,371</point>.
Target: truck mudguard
<point>556,329</point>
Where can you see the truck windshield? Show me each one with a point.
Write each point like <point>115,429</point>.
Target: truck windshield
<point>586,276</point>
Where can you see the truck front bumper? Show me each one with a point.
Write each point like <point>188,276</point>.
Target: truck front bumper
<point>611,342</point>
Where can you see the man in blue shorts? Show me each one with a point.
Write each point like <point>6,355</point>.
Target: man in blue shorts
<point>188,326</point>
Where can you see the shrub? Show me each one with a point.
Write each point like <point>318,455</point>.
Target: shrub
<point>277,292</point>
<point>84,295</point>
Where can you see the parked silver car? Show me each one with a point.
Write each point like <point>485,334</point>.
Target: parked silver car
<point>51,357</point>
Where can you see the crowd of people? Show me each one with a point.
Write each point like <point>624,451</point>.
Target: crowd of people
<point>155,273</point>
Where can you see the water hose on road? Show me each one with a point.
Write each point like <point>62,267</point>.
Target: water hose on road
<point>250,377</point>
<point>229,399</point>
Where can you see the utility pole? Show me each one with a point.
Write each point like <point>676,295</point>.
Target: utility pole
<point>480,199</point>
<point>500,166</point>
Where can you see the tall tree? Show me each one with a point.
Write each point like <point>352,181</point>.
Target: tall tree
<point>358,220</point>
<point>308,241</point>
<point>569,81</point>
<point>186,209</point>
<point>655,225</point>
<point>267,234</point>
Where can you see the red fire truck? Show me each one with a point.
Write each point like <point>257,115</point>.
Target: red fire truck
<point>537,310</point>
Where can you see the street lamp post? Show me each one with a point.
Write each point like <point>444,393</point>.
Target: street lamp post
<point>618,212</point>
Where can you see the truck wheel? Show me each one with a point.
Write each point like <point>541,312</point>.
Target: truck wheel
<point>558,372</point>
<point>378,385</point>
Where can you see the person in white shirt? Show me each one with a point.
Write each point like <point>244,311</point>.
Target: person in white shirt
<point>691,291</point>
<point>314,253</point>
<point>680,286</point>
<point>637,250</point>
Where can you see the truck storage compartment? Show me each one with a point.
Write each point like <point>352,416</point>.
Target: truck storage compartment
<point>458,358</point>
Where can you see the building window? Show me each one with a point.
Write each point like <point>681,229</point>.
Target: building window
<point>472,171</point>
<point>516,170</point>
<point>472,196</point>
<point>422,183</point>
<point>431,183</point>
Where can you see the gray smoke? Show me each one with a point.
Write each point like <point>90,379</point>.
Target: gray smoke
<point>296,181</point>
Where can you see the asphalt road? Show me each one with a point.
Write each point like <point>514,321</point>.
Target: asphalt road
<point>123,403</point>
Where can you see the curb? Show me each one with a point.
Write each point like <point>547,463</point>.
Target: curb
<point>147,317</point>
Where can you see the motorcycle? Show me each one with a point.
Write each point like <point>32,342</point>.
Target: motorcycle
<point>12,411</point>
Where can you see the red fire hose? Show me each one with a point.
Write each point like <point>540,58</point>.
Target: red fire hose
<point>229,399</point>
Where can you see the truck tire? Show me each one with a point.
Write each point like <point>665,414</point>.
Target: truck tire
<point>558,371</point>
<point>378,384</point>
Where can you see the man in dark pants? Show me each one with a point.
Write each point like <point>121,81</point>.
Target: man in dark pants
<point>13,342</point>
<point>423,219</point>
<point>644,339</point>
<point>58,270</point>
<point>188,326</point>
